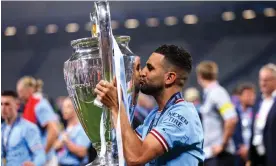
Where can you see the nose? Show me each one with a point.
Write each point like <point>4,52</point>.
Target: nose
<point>143,72</point>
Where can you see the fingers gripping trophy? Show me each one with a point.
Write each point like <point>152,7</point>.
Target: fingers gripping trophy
<point>92,60</point>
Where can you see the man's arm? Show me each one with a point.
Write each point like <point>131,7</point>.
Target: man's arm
<point>78,150</point>
<point>229,116</point>
<point>58,144</point>
<point>80,146</point>
<point>229,128</point>
<point>52,134</point>
<point>47,118</point>
<point>33,139</point>
<point>136,151</point>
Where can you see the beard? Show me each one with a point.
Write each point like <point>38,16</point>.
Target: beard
<point>152,90</point>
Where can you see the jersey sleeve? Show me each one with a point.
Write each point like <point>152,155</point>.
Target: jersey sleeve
<point>147,120</point>
<point>33,140</point>
<point>224,105</point>
<point>174,129</point>
<point>44,112</point>
<point>139,131</point>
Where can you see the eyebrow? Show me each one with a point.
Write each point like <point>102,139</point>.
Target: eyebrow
<point>149,65</point>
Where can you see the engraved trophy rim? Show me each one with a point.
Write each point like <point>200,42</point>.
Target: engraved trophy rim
<point>88,41</point>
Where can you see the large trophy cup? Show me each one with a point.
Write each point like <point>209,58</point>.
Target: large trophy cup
<point>91,61</point>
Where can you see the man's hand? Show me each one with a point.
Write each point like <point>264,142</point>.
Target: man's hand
<point>243,152</point>
<point>64,137</point>
<point>28,163</point>
<point>107,93</point>
<point>217,149</point>
<point>58,145</point>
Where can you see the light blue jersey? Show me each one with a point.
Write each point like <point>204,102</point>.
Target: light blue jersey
<point>77,136</point>
<point>22,142</point>
<point>44,114</point>
<point>179,131</point>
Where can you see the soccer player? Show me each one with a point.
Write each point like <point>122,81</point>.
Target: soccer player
<point>21,142</point>
<point>39,111</point>
<point>219,117</point>
<point>73,143</point>
<point>172,133</point>
<point>247,96</point>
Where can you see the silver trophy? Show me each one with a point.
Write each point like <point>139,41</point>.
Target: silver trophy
<point>92,61</point>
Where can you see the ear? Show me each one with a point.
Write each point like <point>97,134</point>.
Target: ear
<point>170,78</point>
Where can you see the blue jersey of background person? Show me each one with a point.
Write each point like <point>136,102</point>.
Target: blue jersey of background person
<point>180,132</point>
<point>44,114</point>
<point>78,136</point>
<point>23,143</point>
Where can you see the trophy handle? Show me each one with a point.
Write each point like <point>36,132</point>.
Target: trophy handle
<point>101,29</point>
<point>104,31</point>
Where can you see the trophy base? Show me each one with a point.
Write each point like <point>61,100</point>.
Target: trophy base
<point>102,161</point>
<point>109,159</point>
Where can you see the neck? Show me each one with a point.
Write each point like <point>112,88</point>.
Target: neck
<point>164,96</point>
<point>27,99</point>
<point>267,95</point>
<point>73,121</point>
<point>207,83</point>
<point>244,107</point>
<point>10,121</point>
<point>135,96</point>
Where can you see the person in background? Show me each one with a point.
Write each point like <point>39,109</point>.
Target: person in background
<point>59,103</point>
<point>263,140</point>
<point>73,143</point>
<point>38,111</point>
<point>192,95</point>
<point>20,139</point>
<point>219,117</point>
<point>247,95</point>
<point>38,88</point>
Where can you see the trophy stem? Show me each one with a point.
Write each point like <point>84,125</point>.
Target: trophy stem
<point>108,159</point>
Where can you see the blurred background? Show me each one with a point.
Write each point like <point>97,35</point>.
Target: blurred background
<point>239,36</point>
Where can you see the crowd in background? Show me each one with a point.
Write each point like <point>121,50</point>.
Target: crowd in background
<point>239,127</point>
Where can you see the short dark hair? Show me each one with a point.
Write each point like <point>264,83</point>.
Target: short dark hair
<point>9,93</point>
<point>245,86</point>
<point>177,56</point>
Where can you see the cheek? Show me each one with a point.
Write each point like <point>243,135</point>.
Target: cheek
<point>64,115</point>
<point>155,78</point>
<point>262,83</point>
<point>272,84</point>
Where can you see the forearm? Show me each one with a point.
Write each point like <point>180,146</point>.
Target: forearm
<point>51,136</point>
<point>229,128</point>
<point>79,151</point>
<point>39,158</point>
<point>132,145</point>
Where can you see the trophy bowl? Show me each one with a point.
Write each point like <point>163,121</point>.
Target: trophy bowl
<point>82,71</point>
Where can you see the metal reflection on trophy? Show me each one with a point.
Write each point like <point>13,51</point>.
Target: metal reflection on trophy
<point>91,62</point>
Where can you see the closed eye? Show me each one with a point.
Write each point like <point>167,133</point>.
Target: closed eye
<point>138,67</point>
<point>150,67</point>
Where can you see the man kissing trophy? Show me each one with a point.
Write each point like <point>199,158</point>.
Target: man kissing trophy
<point>106,57</point>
